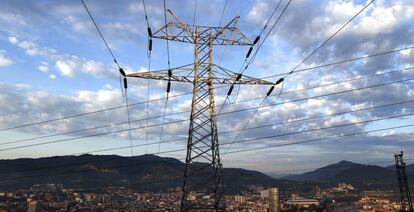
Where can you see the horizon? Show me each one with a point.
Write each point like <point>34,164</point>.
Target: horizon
<point>282,172</point>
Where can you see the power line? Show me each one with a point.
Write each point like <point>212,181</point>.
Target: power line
<point>260,106</point>
<point>305,131</point>
<point>128,118</point>
<point>333,35</point>
<point>194,15</point>
<point>306,141</point>
<point>88,113</point>
<point>320,139</point>
<point>149,50</point>
<point>100,34</point>
<point>322,44</point>
<point>235,111</point>
<point>162,124</point>
<point>166,34</point>
<point>221,20</point>
<point>246,62</point>
<point>282,80</point>
<point>310,130</point>
<point>222,12</point>
<point>341,62</point>
<point>188,93</point>
<point>267,125</point>
<point>268,33</point>
<point>115,61</point>
<point>146,14</point>
<point>254,56</point>
<point>246,150</point>
<point>96,111</point>
<point>322,128</point>
<point>121,71</point>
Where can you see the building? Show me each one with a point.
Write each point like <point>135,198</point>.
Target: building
<point>32,206</point>
<point>239,199</point>
<point>272,195</point>
<point>303,202</point>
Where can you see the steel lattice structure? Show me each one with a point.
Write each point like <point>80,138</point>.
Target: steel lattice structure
<point>406,204</point>
<point>203,177</point>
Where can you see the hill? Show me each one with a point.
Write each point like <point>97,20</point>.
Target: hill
<point>93,172</point>
<point>349,172</point>
<point>409,168</point>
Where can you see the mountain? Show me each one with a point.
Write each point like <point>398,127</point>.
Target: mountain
<point>92,172</point>
<point>325,173</point>
<point>350,172</point>
<point>278,176</point>
<point>409,168</point>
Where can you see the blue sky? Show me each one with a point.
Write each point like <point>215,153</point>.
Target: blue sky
<point>53,63</point>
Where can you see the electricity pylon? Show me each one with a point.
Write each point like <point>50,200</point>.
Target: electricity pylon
<point>406,204</point>
<point>203,177</point>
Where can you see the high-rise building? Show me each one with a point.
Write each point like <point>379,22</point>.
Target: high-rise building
<point>272,195</point>
<point>274,203</point>
<point>32,206</point>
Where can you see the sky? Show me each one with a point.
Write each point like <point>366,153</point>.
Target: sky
<point>54,64</point>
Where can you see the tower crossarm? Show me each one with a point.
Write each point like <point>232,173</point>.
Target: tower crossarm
<point>186,74</point>
<point>177,30</point>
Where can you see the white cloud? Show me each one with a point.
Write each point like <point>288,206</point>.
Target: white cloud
<point>4,60</point>
<point>78,25</point>
<point>26,44</point>
<point>258,12</point>
<point>67,64</point>
<point>381,20</point>
<point>93,67</point>
<point>13,40</point>
<point>65,68</point>
<point>406,52</point>
<point>135,7</point>
<point>52,76</point>
<point>43,68</point>
<point>11,18</point>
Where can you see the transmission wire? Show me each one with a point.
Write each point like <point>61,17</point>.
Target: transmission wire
<point>307,57</point>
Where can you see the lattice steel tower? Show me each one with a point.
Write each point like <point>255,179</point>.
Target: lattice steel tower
<point>203,178</point>
<point>406,204</point>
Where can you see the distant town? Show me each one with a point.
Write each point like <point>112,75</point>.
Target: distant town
<point>55,197</point>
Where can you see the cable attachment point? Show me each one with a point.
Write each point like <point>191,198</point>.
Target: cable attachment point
<point>279,81</point>
<point>149,32</point>
<point>230,90</point>
<point>270,90</point>
<point>169,74</point>
<point>249,52</point>
<point>122,72</point>
<point>168,86</point>
<point>238,77</point>
<point>125,83</point>
<point>169,80</point>
<point>150,44</point>
<point>256,40</point>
